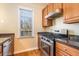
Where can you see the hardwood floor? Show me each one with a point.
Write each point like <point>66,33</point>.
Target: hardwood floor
<point>30,53</point>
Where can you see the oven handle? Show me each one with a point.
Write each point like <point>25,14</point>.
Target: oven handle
<point>46,42</point>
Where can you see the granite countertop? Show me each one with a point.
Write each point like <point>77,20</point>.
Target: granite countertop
<point>73,44</point>
<point>3,39</point>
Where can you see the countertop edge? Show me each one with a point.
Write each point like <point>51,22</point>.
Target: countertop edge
<point>4,41</point>
<point>68,44</point>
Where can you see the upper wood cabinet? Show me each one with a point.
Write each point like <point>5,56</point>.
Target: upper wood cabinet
<point>45,22</point>
<point>53,6</point>
<point>57,6</point>
<point>71,12</point>
<point>44,13</point>
<point>50,7</point>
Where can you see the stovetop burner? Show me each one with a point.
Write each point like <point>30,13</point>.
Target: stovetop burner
<point>50,37</point>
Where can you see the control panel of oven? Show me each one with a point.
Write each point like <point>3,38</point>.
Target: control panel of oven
<point>45,39</point>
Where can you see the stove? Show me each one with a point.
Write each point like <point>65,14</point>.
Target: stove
<point>48,45</point>
<point>48,42</point>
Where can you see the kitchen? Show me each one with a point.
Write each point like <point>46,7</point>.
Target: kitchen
<point>55,29</point>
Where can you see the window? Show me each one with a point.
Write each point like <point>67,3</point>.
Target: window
<point>26,22</point>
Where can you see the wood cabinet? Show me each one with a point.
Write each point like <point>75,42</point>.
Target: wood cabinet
<point>65,50</point>
<point>44,13</point>
<point>59,52</point>
<point>0,50</point>
<point>70,12</point>
<point>50,7</point>
<point>57,6</point>
<point>45,22</point>
<point>53,6</point>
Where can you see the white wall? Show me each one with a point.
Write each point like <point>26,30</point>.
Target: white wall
<point>59,24</point>
<point>9,24</point>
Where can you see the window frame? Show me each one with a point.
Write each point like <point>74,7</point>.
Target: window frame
<point>19,29</point>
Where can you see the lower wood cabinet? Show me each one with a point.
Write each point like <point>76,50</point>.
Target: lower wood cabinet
<point>65,50</point>
<point>0,51</point>
<point>61,53</point>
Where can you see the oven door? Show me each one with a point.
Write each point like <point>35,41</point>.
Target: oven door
<point>46,48</point>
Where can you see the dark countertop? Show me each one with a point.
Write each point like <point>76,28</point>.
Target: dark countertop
<point>69,43</point>
<point>7,33</point>
<point>52,35</point>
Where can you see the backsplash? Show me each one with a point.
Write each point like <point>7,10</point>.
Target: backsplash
<point>59,24</point>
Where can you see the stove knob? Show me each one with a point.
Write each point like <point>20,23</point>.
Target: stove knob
<point>43,38</point>
<point>48,40</point>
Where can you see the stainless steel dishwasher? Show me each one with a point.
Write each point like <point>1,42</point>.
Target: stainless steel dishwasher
<point>6,47</point>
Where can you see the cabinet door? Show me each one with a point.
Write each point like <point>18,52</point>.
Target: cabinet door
<point>60,52</point>
<point>70,11</point>
<point>57,6</point>
<point>45,22</point>
<point>50,7</point>
<point>44,13</point>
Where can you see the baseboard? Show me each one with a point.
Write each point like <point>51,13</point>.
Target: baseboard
<point>25,50</point>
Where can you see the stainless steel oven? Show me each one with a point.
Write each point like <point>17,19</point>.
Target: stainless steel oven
<point>47,46</point>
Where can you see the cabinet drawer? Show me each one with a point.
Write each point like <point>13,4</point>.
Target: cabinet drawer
<point>70,12</point>
<point>72,51</point>
<point>61,53</point>
<point>67,49</point>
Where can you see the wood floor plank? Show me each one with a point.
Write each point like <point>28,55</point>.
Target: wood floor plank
<point>30,53</point>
